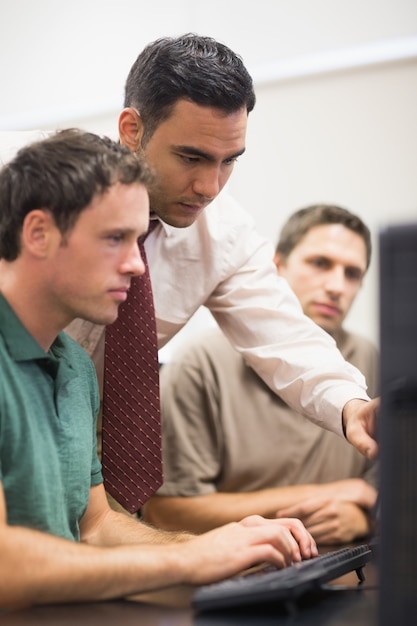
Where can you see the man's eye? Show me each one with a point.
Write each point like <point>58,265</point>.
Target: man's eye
<point>319,262</point>
<point>353,274</point>
<point>189,159</point>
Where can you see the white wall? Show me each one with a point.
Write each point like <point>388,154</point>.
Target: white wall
<point>336,83</point>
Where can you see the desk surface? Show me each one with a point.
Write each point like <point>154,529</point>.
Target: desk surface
<point>342,603</point>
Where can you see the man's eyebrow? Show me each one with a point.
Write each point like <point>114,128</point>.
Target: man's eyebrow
<point>121,230</point>
<point>191,151</point>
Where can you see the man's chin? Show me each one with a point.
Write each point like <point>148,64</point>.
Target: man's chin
<point>110,319</point>
<point>177,215</point>
<point>102,320</point>
<point>332,329</point>
<point>325,324</point>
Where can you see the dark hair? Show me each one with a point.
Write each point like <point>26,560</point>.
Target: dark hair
<point>190,67</point>
<point>62,174</point>
<point>303,220</point>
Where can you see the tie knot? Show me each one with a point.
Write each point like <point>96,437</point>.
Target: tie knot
<point>153,223</point>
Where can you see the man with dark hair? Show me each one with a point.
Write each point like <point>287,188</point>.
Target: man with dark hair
<point>186,109</point>
<point>71,210</point>
<point>231,446</point>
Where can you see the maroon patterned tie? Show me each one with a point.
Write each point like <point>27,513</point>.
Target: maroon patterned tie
<point>132,458</point>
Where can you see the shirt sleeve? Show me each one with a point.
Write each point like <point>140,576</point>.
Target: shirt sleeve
<point>264,321</point>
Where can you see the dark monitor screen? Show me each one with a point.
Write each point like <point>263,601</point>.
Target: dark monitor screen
<point>397,424</point>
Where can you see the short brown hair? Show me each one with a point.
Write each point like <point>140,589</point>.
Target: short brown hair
<point>303,220</point>
<point>61,173</point>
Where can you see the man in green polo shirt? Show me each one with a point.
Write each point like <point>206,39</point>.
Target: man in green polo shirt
<point>71,210</point>
<point>41,491</point>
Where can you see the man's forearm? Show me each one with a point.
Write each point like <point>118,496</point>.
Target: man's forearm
<point>55,570</point>
<point>120,529</point>
<point>201,513</point>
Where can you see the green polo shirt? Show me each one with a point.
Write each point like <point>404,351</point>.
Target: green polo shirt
<point>48,408</point>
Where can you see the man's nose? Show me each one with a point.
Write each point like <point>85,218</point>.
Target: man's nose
<point>135,264</point>
<point>336,280</point>
<point>208,183</point>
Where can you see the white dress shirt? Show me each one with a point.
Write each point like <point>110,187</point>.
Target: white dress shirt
<point>223,263</point>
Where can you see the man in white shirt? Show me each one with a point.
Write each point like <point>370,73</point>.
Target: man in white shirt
<point>186,108</point>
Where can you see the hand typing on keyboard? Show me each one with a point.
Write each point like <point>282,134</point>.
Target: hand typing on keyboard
<point>303,544</point>
<point>237,546</point>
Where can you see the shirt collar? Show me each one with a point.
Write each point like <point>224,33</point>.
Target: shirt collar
<point>167,228</point>
<point>19,342</point>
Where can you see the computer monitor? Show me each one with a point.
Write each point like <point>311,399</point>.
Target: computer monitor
<point>397,424</point>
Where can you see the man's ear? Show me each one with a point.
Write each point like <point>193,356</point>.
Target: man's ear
<point>130,128</point>
<point>38,232</point>
<point>278,260</point>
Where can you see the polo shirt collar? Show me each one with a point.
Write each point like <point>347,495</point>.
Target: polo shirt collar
<point>19,342</point>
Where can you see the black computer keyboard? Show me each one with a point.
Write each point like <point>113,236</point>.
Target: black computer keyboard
<point>272,584</point>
